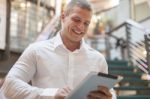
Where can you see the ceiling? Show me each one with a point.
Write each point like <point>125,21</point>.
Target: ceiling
<point>103,5</point>
<point>98,5</point>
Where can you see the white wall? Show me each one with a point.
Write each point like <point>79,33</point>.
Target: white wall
<point>2,23</point>
<point>146,24</point>
<point>123,11</point>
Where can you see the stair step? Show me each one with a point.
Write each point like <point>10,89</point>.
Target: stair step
<point>132,88</point>
<point>127,73</point>
<point>134,97</point>
<point>117,62</point>
<point>128,68</point>
<point>115,65</point>
<point>135,80</point>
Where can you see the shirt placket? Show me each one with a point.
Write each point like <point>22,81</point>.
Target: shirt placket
<point>71,70</point>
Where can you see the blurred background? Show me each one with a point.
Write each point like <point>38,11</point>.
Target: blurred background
<point>120,30</point>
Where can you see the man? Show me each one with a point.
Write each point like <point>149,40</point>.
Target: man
<point>57,65</point>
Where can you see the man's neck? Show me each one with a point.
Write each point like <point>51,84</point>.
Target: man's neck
<point>71,46</point>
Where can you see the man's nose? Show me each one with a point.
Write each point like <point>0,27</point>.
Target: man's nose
<point>81,27</point>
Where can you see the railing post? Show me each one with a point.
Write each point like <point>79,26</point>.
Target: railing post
<point>147,47</point>
<point>122,53</point>
<point>128,39</point>
<point>7,48</point>
<point>108,47</point>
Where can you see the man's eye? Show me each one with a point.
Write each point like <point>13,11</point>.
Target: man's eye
<point>76,20</point>
<point>86,24</point>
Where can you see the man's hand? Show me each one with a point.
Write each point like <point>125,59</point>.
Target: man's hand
<point>62,93</point>
<point>101,93</point>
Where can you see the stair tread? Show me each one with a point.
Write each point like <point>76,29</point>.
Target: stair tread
<point>134,80</point>
<point>126,73</point>
<point>117,61</point>
<point>134,97</point>
<point>132,88</point>
<point>131,72</point>
<point>121,67</point>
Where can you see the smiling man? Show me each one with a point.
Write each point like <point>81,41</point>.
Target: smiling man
<point>75,21</point>
<point>58,65</point>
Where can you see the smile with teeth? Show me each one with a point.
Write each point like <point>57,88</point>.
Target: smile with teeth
<point>77,32</point>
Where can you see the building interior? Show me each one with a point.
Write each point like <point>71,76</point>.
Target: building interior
<point>120,30</point>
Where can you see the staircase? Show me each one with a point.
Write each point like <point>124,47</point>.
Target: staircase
<point>132,86</point>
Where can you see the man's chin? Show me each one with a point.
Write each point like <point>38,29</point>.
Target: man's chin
<point>77,40</point>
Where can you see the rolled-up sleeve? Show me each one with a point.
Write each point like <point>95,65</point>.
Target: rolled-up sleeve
<point>16,82</point>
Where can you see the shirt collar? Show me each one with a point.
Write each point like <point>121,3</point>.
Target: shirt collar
<point>59,43</point>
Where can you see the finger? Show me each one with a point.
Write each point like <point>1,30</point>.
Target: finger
<point>95,95</point>
<point>67,89</point>
<point>100,94</point>
<point>105,90</point>
<point>60,94</point>
<point>61,91</point>
<point>91,97</point>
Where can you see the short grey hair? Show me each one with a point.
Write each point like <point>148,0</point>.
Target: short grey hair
<point>84,4</point>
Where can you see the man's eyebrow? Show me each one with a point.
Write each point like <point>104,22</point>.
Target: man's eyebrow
<point>77,17</point>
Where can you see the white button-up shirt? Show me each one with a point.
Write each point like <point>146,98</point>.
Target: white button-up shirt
<point>49,65</point>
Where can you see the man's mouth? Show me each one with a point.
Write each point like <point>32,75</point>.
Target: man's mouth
<point>77,32</point>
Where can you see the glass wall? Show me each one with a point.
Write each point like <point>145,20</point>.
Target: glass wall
<point>28,17</point>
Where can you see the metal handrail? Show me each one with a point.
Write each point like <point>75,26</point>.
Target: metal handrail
<point>133,45</point>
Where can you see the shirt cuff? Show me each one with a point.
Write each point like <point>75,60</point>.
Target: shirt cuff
<point>49,93</point>
<point>112,91</point>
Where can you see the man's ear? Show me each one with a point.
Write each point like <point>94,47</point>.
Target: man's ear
<point>62,16</point>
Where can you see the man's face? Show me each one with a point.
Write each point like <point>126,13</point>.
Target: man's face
<point>75,25</point>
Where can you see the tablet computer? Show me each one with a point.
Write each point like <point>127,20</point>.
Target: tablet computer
<point>91,82</point>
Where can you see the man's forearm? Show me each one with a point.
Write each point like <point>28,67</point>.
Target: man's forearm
<point>16,89</point>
